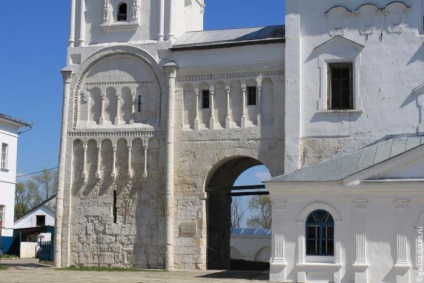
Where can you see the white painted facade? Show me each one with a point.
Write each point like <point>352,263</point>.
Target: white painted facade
<point>9,128</point>
<point>377,210</point>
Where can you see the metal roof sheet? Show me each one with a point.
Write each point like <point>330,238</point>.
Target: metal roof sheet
<point>229,36</point>
<point>341,167</point>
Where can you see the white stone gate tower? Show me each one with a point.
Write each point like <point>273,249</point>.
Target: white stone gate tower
<point>159,119</point>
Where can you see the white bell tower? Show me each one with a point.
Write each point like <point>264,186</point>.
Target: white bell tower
<point>120,21</point>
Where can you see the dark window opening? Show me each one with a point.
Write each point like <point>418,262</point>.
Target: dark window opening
<point>205,99</point>
<point>139,104</point>
<point>122,12</point>
<point>251,95</point>
<point>115,208</point>
<point>41,220</point>
<point>320,234</point>
<point>340,91</point>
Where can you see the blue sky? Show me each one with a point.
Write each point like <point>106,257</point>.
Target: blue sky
<point>33,51</point>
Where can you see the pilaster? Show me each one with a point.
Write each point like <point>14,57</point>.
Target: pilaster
<point>360,265</point>
<point>277,262</point>
<point>243,103</point>
<point>228,117</point>
<point>402,266</point>
<point>212,108</point>
<point>171,70</point>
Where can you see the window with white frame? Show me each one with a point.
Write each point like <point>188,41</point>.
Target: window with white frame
<point>4,156</point>
<point>339,62</point>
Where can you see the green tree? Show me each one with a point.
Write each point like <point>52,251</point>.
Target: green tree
<point>34,191</point>
<point>260,205</point>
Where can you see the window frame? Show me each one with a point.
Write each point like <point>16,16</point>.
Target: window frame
<point>4,157</point>
<point>321,224</point>
<point>332,79</point>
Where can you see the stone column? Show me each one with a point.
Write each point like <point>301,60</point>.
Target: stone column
<point>99,161</point>
<point>102,106</point>
<point>161,20</point>
<point>129,161</point>
<point>132,119</point>
<point>81,39</point>
<point>196,119</point>
<point>84,163</point>
<point>118,106</point>
<point>212,108</point>
<point>171,70</point>
<point>277,262</point>
<point>171,36</point>
<point>228,118</point>
<point>145,140</point>
<point>71,41</point>
<point>360,265</point>
<point>113,175</point>
<point>67,77</point>
<point>243,102</point>
<point>258,103</point>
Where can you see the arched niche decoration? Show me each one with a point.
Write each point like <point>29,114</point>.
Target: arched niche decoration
<point>130,56</point>
<point>338,20</point>
<point>396,17</point>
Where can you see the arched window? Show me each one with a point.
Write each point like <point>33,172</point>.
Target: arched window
<point>320,233</point>
<point>122,12</point>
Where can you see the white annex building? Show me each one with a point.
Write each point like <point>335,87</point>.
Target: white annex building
<point>161,117</point>
<point>9,131</point>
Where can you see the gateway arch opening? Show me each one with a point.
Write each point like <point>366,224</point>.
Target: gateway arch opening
<point>221,187</point>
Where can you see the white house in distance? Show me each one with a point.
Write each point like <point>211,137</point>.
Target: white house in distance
<point>9,131</point>
<point>354,211</point>
<point>41,215</point>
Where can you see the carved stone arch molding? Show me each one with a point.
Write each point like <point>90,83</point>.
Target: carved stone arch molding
<point>338,20</point>
<point>116,52</point>
<point>396,17</point>
<point>368,19</point>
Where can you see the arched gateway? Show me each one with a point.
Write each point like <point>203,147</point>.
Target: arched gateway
<point>155,132</point>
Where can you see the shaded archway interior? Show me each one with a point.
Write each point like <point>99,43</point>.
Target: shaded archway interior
<point>218,188</point>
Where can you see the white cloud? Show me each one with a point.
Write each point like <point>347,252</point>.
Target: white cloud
<point>263,176</point>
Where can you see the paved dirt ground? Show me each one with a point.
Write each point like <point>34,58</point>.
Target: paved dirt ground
<point>29,270</point>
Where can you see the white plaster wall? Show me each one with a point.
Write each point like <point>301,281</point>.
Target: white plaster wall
<point>28,249</point>
<point>8,177</point>
<point>382,227</point>
<point>250,248</point>
<point>390,69</point>
<point>30,220</point>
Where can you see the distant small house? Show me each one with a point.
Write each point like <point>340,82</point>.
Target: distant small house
<point>35,227</point>
<point>41,215</point>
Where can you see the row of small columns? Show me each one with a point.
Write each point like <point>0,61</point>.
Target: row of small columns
<point>99,175</point>
<point>118,106</point>
<point>228,117</point>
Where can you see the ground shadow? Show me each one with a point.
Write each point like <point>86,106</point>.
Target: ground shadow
<point>238,274</point>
